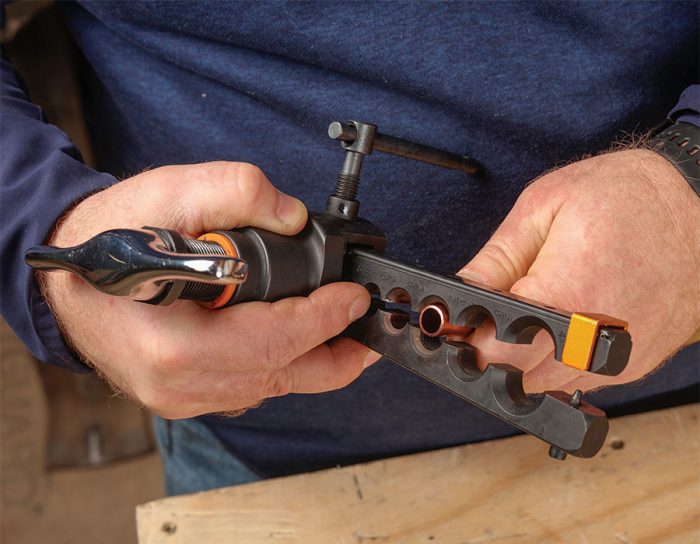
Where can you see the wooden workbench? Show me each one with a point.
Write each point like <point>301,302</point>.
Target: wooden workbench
<point>643,487</point>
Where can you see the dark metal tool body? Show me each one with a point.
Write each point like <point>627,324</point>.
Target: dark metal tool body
<point>452,364</point>
<point>337,245</point>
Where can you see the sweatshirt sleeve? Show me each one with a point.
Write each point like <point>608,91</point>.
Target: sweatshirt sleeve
<point>41,176</point>
<point>688,108</point>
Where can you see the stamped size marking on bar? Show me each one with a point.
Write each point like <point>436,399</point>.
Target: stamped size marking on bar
<point>417,286</point>
<point>503,315</point>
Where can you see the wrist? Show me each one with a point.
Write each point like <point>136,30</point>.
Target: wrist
<point>679,143</point>
<point>62,291</point>
<point>683,201</point>
<point>78,222</point>
<point>672,186</point>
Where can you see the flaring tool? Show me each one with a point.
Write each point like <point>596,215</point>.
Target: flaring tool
<point>418,319</point>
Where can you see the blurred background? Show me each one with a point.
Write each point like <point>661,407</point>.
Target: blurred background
<point>75,458</point>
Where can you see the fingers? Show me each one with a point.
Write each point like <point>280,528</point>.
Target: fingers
<point>290,327</point>
<point>541,371</point>
<point>325,368</point>
<point>219,195</point>
<point>549,375</point>
<point>202,361</point>
<point>504,263</point>
<point>263,336</point>
<point>514,246</point>
<point>588,382</point>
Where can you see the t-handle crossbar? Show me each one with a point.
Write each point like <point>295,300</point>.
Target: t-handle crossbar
<point>347,133</point>
<point>360,139</point>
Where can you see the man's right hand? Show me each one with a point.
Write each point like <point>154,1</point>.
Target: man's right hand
<point>182,360</point>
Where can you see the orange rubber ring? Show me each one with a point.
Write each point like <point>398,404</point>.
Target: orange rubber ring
<point>230,250</point>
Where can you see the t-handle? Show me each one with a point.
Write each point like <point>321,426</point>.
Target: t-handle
<point>348,133</point>
<point>360,139</point>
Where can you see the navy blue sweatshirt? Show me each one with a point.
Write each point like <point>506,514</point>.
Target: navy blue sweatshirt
<point>522,87</point>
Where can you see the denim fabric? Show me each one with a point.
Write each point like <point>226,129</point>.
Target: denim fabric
<point>194,459</point>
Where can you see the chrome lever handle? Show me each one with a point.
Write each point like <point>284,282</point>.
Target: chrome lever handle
<point>136,263</point>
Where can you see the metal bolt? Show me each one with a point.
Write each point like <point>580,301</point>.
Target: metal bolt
<point>342,131</point>
<point>168,527</point>
<point>556,452</point>
<point>576,398</point>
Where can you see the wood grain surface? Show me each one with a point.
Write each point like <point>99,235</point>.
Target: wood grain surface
<point>643,487</point>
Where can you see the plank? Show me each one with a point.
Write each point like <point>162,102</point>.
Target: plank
<point>643,487</point>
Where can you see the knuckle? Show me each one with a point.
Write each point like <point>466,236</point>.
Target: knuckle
<point>169,196</point>
<point>154,387</point>
<point>157,397</point>
<point>243,390</point>
<point>547,185</point>
<point>191,176</point>
<point>280,347</point>
<point>210,175</point>
<point>531,196</point>
<point>334,318</point>
<point>249,184</point>
<point>530,189</point>
<point>213,170</point>
<point>501,258</point>
<point>248,170</point>
<point>168,398</point>
<point>525,288</point>
<point>286,336</point>
<point>556,293</point>
<point>328,314</point>
<point>278,383</point>
<point>161,355</point>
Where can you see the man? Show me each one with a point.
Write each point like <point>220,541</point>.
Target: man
<point>520,87</point>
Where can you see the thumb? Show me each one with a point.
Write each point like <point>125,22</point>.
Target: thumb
<point>512,249</point>
<point>504,260</point>
<point>220,195</point>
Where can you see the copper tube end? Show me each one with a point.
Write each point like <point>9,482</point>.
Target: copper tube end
<point>434,321</point>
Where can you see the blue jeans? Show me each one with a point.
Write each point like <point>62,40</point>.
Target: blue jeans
<point>194,459</point>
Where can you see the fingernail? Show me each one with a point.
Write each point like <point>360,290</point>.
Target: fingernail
<point>290,210</point>
<point>359,307</point>
<point>470,275</point>
<point>371,358</point>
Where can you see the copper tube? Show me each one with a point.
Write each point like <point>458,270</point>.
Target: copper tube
<point>434,321</point>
